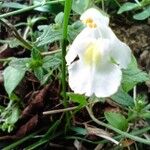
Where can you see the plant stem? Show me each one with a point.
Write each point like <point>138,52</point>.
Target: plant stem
<point>25,43</point>
<point>59,110</point>
<point>11,146</point>
<point>103,5</point>
<point>116,1</point>
<point>28,8</point>
<point>67,9</point>
<point>50,52</point>
<point>125,134</point>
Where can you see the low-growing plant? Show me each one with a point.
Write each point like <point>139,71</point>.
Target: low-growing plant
<point>77,47</point>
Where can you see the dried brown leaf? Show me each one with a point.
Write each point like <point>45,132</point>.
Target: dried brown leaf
<point>36,104</point>
<point>23,130</point>
<point>100,133</point>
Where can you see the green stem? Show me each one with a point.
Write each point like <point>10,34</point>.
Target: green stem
<point>125,134</point>
<point>67,9</point>
<point>116,1</point>
<point>11,146</point>
<point>28,8</point>
<point>136,133</point>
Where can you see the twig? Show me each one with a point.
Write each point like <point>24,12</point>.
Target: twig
<point>59,110</point>
<point>50,52</point>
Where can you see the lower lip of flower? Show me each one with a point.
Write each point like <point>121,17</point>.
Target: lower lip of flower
<point>92,54</point>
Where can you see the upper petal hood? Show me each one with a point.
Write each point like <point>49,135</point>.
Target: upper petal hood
<point>97,16</point>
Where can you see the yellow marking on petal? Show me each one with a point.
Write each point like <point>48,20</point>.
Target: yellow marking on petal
<point>90,23</point>
<point>92,54</point>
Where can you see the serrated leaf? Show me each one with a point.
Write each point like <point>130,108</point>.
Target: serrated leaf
<point>117,120</point>
<point>127,7</point>
<point>20,63</point>
<point>123,98</point>
<point>49,35</point>
<point>81,99</point>
<point>143,15</point>
<point>133,75</point>
<point>52,61</point>
<point>12,78</point>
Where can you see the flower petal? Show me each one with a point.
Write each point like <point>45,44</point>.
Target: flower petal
<point>80,43</point>
<point>78,79</point>
<point>103,82</point>
<point>120,51</point>
<point>97,16</point>
<point>107,80</point>
<point>71,55</point>
<point>77,46</point>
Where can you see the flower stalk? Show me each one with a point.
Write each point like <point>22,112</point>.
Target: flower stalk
<point>67,9</point>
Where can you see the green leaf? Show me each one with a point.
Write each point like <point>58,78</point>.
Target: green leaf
<point>59,18</point>
<point>12,42</point>
<point>13,118</point>
<point>20,63</point>
<point>74,30</point>
<point>79,6</point>
<point>1,109</point>
<point>52,62</point>
<point>12,78</point>
<point>145,2</point>
<point>123,98</point>
<point>36,59</point>
<point>50,8</point>
<point>10,116</point>
<point>39,73</point>
<point>79,130</point>
<point>81,99</point>
<point>36,54</point>
<point>1,4</point>
<point>13,5</point>
<point>132,76</point>
<point>143,15</point>
<point>32,21</point>
<point>117,120</point>
<point>127,7</point>
<point>49,35</point>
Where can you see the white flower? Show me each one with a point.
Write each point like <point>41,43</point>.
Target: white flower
<point>101,56</point>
